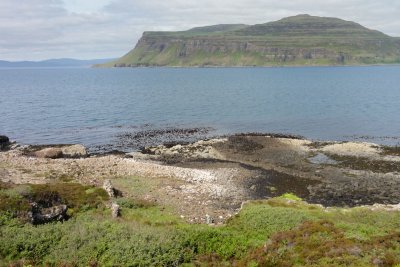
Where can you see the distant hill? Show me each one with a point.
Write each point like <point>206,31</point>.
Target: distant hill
<point>297,40</point>
<point>52,63</point>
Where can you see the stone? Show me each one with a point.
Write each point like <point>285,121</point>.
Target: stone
<point>115,210</point>
<point>45,215</point>
<point>107,185</point>
<point>209,219</point>
<point>49,153</point>
<point>4,142</point>
<point>74,151</point>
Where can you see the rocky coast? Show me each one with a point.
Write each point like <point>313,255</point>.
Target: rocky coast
<point>209,180</point>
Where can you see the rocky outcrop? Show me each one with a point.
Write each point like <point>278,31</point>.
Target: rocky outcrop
<point>4,142</point>
<point>222,52</point>
<point>109,188</point>
<point>115,210</point>
<point>113,193</point>
<point>298,40</point>
<point>40,215</point>
<point>74,151</point>
<point>49,153</point>
<point>57,151</point>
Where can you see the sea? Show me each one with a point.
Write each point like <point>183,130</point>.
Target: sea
<point>129,108</point>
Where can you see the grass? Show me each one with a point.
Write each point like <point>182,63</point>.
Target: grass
<point>291,196</point>
<point>283,231</point>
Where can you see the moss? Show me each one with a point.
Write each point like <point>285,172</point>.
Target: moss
<point>291,196</point>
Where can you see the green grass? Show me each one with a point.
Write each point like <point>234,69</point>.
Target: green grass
<point>275,232</point>
<point>291,196</point>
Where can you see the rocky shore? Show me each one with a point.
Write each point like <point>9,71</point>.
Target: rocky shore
<point>208,180</point>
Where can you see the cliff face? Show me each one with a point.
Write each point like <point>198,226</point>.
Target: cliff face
<point>299,40</point>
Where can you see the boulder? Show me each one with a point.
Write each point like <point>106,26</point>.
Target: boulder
<point>74,151</point>
<point>209,219</point>
<point>49,153</point>
<point>4,142</point>
<point>115,210</point>
<point>45,215</point>
<point>109,188</point>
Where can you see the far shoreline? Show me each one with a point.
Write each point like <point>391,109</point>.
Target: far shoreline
<point>248,67</point>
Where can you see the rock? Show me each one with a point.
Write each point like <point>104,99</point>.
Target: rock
<point>115,210</point>
<point>209,219</point>
<point>109,188</point>
<point>44,215</point>
<point>49,153</point>
<point>4,142</point>
<point>74,151</point>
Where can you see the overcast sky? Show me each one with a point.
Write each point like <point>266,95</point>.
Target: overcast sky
<point>86,29</point>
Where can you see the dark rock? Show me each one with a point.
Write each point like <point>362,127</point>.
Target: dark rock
<point>40,215</point>
<point>4,142</point>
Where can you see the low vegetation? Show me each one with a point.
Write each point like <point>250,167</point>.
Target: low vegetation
<point>15,200</point>
<point>282,231</point>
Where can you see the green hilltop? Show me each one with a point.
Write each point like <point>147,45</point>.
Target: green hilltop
<point>298,40</point>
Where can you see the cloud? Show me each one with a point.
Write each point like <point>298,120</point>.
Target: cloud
<point>39,29</point>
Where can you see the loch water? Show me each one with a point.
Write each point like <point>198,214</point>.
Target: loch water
<point>107,109</point>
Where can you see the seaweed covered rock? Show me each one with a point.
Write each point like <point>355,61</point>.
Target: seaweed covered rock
<point>4,142</point>
<point>49,153</point>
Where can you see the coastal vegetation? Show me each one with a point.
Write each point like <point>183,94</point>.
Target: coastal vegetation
<point>298,40</point>
<point>278,231</point>
<point>244,200</point>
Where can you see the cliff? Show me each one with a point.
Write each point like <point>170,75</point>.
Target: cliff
<point>297,40</point>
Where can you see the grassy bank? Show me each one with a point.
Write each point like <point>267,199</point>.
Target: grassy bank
<point>281,231</point>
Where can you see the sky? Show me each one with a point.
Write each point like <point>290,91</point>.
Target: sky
<point>90,29</point>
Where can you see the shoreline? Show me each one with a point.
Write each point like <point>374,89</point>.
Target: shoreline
<point>216,176</point>
<point>250,67</point>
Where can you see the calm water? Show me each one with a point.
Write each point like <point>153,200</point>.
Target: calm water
<point>96,106</point>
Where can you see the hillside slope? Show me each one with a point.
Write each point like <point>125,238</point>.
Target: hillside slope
<point>297,40</point>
